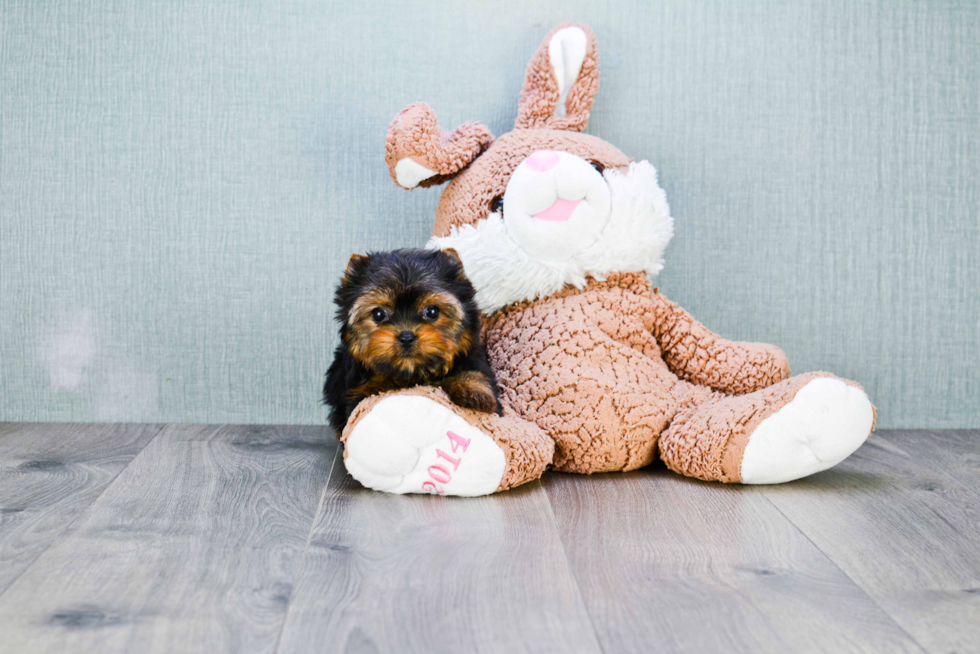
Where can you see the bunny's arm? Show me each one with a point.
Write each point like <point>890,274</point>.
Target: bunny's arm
<point>695,354</point>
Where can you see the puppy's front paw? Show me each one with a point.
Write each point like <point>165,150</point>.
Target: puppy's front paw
<point>411,444</point>
<point>472,390</point>
<point>476,400</point>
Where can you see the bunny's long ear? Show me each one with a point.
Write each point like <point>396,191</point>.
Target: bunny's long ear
<point>561,80</point>
<point>418,153</point>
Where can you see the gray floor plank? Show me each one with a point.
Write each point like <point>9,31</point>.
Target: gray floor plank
<point>49,474</point>
<point>953,451</point>
<point>677,565</point>
<point>907,534</point>
<point>427,574</point>
<point>193,548</point>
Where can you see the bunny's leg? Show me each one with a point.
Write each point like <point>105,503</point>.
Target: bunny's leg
<point>789,430</point>
<point>417,441</point>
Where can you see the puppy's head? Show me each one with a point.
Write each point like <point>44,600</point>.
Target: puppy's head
<point>407,313</point>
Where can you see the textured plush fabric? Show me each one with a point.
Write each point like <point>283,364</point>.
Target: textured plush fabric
<point>415,133</point>
<point>540,92</point>
<point>701,357</point>
<point>589,368</point>
<point>584,367</point>
<point>707,440</point>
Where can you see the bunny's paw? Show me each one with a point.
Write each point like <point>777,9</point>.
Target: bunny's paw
<point>412,444</point>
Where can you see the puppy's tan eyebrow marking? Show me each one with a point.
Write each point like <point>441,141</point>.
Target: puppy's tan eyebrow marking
<point>375,297</point>
<point>441,300</point>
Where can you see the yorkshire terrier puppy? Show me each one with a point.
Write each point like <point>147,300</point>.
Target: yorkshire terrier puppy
<point>407,318</point>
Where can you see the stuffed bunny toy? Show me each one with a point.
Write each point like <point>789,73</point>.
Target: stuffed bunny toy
<point>558,231</point>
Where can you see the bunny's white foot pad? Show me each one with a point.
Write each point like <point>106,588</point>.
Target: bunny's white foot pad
<point>411,444</point>
<point>820,427</point>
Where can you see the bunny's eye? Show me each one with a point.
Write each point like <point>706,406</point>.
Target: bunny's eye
<point>598,166</point>
<point>379,315</point>
<point>497,204</point>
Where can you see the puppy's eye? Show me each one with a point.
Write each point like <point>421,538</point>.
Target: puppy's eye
<point>379,315</point>
<point>497,204</point>
<point>431,312</point>
<point>598,166</point>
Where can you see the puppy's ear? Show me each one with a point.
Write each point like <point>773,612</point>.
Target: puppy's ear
<point>453,256</point>
<point>356,264</point>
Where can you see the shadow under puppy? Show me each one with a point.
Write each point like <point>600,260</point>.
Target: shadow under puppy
<point>408,318</point>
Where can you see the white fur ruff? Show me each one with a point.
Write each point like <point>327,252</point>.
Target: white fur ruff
<point>634,240</point>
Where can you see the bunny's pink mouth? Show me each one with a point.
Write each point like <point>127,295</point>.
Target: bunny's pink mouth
<point>560,211</point>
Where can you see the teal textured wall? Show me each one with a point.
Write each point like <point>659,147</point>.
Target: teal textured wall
<point>181,184</point>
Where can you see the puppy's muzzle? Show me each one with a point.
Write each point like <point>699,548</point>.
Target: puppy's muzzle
<point>407,338</point>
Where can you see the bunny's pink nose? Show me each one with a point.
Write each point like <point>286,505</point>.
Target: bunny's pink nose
<point>542,160</point>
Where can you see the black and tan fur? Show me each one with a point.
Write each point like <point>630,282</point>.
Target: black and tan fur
<point>407,318</point>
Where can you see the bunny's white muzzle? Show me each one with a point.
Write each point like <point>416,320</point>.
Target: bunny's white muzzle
<point>555,205</point>
<point>621,223</point>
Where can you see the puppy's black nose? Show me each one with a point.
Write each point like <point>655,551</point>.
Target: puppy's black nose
<point>406,338</point>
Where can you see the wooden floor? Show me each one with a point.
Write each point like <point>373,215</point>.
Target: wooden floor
<point>178,538</point>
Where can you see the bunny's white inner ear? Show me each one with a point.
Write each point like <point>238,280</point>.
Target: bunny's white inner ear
<point>566,50</point>
<point>409,173</point>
